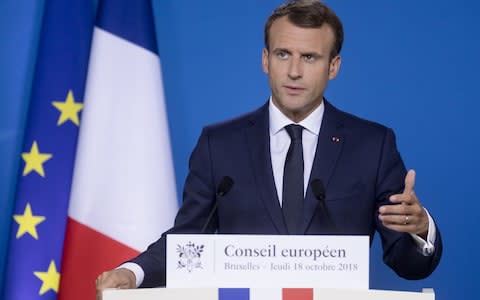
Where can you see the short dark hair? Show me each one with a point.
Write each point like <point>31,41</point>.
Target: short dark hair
<point>308,14</point>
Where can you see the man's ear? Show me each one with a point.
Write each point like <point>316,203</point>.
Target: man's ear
<point>334,67</point>
<point>265,60</point>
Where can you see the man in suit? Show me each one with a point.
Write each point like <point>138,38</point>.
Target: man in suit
<point>275,153</point>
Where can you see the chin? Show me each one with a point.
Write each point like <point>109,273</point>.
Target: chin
<point>296,108</point>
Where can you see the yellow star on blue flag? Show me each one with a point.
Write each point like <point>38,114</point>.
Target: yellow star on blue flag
<point>27,223</point>
<point>69,109</point>
<point>50,279</point>
<point>34,160</point>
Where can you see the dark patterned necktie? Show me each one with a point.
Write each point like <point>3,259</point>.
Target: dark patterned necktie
<point>292,198</point>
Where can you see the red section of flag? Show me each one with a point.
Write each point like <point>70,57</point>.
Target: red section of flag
<point>86,254</point>
<point>297,294</point>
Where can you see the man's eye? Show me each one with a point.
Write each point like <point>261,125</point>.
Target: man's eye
<point>282,54</point>
<point>309,58</point>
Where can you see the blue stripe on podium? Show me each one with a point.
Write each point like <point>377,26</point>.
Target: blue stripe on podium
<point>234,294</point>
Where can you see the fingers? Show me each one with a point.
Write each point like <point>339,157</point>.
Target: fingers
<point>398,219</point>
<point>396,215</point>
<point>412,223</point>
<point>408,215</point>
<point>118,278</point>
<point>410,218</point>
<point>408,195</point>
<point>410,207</point>
<point>409,182</point>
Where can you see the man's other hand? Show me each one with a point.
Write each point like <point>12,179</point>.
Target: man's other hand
<point>408,215</point>
<point>119,278</point>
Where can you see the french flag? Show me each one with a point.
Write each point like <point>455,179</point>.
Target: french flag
<point>262,294</point>
<point>123,190</point>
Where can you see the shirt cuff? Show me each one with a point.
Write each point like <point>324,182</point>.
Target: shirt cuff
<point>136,269</point>
<point>427,247</point>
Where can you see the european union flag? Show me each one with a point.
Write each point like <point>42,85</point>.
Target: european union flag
<point>43,189</point>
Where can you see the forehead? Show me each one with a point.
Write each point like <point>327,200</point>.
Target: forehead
<point>286,35</point>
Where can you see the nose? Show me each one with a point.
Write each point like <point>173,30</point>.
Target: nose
<point>295,69</point>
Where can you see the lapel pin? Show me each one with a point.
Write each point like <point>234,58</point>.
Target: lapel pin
<point>335,139</point>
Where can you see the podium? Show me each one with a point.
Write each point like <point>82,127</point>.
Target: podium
<point>270,267</point>
<point>213,294</point>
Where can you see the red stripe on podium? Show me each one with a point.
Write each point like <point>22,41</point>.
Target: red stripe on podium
<point>86,254</point>
<point>297,294</point>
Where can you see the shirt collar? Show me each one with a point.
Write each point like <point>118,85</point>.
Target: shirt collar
<point>278,120</point>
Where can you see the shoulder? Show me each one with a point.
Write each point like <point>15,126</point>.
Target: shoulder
<point>352,123</point>
<point>237,124</point>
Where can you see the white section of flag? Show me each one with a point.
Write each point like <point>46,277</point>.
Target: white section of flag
<point>123,184</point>
<point>265,293</point>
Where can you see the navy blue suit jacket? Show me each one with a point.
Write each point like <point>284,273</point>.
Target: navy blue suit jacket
<point>357,161</point>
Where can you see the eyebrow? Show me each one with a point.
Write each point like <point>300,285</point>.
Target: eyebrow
<point>281,50</point>
<point>312,53</point>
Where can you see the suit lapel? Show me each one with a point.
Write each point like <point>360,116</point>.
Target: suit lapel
<point>330,143</point>
<point>258,137</point>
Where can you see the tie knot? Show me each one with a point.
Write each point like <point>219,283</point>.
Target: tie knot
<point>294,131</point>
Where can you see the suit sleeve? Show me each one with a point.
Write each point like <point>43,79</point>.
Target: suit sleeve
<point>399,249</point>
<point>199,198</point>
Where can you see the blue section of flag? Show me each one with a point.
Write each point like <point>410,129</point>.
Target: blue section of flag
<point>61,67</point>
<point>131,22</point>
<point>233,294</point>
